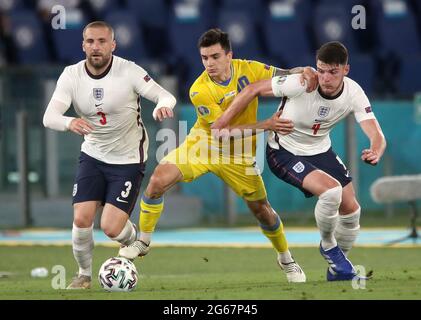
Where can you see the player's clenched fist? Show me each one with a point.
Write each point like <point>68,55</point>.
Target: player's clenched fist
<point>370,156</point>
<point>309,75</point>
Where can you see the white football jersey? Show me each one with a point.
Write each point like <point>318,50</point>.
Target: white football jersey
<point>111,103</point>
<point>314,114</point>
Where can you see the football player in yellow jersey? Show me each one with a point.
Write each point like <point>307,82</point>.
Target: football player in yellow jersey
<point>200,153</point>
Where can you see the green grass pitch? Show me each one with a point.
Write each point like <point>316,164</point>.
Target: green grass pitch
<point>169,273</point>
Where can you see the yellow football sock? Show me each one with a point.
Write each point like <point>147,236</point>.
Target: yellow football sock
<point>150,211</point>
<point>276,235</point>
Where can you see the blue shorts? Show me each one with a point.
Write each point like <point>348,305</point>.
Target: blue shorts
<point>293,169</point>
<point>117,184</point>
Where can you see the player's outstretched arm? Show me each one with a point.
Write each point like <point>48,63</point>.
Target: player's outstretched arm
<point>242,100</point>
<point>373,131</point>
<point>274,123</point>
<point>289,86</point>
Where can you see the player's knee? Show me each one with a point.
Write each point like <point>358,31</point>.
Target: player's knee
<point>81,221</point>
<point>261,210</point>
<point>332,196</point>
<point>349,206</point>
<point>110,231</point>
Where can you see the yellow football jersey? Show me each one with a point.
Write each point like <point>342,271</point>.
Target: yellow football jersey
<point>211,99</point>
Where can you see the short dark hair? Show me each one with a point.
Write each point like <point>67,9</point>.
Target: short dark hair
<point>99,24</point>
<point>214,36</point>
<point>333,52</point>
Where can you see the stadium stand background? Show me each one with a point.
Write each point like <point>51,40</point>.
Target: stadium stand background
<point>161,36</point>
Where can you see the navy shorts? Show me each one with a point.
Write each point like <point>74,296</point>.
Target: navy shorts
<point>117,184</point>
<point>293,169</point>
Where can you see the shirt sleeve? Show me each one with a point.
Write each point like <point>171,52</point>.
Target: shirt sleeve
<point>54,116</point>
<point>362,107</point>
<point>206,107</point>
<point>289,86</point>
<point>146,87</point>
<point>60,102</point>
<point>63,91</point>
<point>141,80</point>
<point>261,71</point>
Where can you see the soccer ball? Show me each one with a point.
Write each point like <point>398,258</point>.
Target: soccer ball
<point>118,274</point>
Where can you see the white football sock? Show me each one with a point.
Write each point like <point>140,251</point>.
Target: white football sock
<point>83,245</point>
<point>146,237</point>
<point>285,257</point>
<point>347,230</point>
<point>326,213</point>
<point>127,235</point>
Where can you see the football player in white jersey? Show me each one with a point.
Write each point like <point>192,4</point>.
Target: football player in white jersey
<point>305,159</point>
<point>105,91</point>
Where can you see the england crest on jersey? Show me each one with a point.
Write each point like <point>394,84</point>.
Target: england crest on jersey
<point>98,93</point>
<point>323,111</point>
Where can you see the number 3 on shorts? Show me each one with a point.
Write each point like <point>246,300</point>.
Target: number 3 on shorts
<point>125,193</point>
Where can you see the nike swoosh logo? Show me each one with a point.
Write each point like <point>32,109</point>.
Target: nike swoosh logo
<point>121,200</point>
<point>99,104</point>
